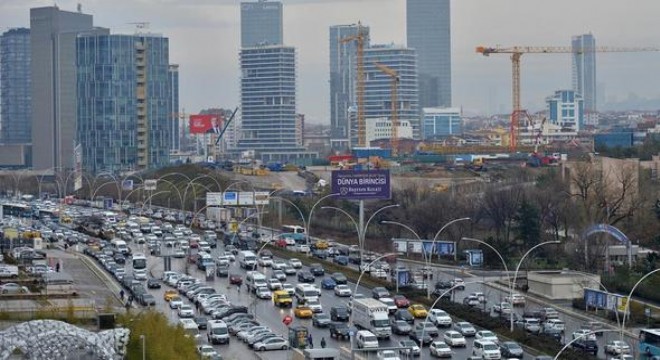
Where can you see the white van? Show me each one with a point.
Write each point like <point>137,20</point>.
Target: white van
<point>306,292</point>
<point>218,332</point>
<point>255,279</point>
<point>366,340</point>
<point>486,350</point>
<point>247,259</point>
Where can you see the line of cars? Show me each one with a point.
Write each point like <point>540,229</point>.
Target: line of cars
<point>216,315</point>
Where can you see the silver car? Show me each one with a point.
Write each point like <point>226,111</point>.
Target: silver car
<point>274,343</point>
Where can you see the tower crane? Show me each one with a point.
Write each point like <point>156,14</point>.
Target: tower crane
<point>394,99</point>
<point>360,39</point>
<point>517,52</point>
<point>538,136</point>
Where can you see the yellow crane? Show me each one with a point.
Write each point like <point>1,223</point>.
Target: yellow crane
<point>360,39</point>
<point>517,52</point>
<point>394,99</point>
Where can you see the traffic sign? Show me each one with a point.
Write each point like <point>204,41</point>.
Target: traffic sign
<point>287,320</point>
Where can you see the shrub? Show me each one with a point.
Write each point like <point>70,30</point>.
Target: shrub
<point>164,341</point>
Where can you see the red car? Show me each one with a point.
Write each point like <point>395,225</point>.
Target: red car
<point>401,302</point>
<point>235,279</point>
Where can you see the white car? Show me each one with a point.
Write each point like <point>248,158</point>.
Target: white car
<point>263,293</point>
<point>206,351</point>
<point>315,305</point>
<point>274,343</point>
<point>589,335</point>
<point>295,263</point>
<point>465,328</point>
<point>274,284</point>
<point>454,338</point>
<point>186,311</point>
<point>176,302</point>
<point>487,335</point>
<point>379,273</point>
<point>302,248</point>
<point>389,302</point>
<point>343,290</point>
<point>617,347</point>
<point>440,350</point>
<point>278,264</point>
<point>440,318</point>
<point>516,300</point>
<point>289,288</point>
<point>388,355</point>
<point>265,261</point>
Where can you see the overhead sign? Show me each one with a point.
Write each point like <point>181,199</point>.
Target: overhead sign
<point>362,185</point>
<point>246,198</point>
<point>230,198</point>
<point>213,199</point>
<point>261,198</point>
<point>150,185</point>
<point>127,185</point>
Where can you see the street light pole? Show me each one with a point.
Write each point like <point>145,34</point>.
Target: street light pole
<point>515,274</point>
<point>435,238</point>
<point>144,347</point>
<point>355,292</point>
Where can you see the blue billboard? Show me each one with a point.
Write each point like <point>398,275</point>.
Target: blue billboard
<point>362,185</point>
<point>445,248</point>
<point>107,203</point>
<point>595,298</point>
<point>403,277</point>
<point>474,257</point>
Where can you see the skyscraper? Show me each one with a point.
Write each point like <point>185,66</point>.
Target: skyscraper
<point>175,126</point>
<point>428,25</point>
<point>343,78</point>
<point>378,85</point>
<point>268,103</point>
<point>15,91</point>
<point>124,117</point>
<point>53,69</point>
<point>261,23</point>
<point>584,69</point>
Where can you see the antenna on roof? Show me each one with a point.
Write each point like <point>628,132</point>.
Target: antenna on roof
<point>79,7</point>
<point>140,26</point>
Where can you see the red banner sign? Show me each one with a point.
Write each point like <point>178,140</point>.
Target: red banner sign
<point>205,124</point>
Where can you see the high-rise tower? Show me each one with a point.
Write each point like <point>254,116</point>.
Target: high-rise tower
<point>261,23</point>
<point>15,91</point>
<point>428,25</point>
<point>584,69</point>
<point>124,110</point>
<point>53,35</point>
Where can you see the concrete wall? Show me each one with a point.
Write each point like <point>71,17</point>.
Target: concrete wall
<point>560,285</point>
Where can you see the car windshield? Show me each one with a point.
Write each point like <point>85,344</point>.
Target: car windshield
<point>370,338</point>
<point>380,323</point>
<point>490,347</point>
<point>456,335</point>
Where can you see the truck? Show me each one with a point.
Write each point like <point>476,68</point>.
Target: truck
<point>372,315</point>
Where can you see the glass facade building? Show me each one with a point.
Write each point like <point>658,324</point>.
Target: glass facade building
<point>268,102</point>
<point>441,122</point>
<point>343,76</point>
<point>15,92</point>
<point>584,69</point>
<point>124,101</point>
<point>378,85</point>
<point>428,24</point>
<point>261,23</point>
<point>175,124</point>
<point>566,109</point>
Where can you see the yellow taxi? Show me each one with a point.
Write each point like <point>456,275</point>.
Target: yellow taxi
<point>303,312</point>
<point>169,294</point>
<point>417,311</point>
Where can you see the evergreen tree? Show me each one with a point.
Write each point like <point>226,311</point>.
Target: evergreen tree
<point>528,225</point>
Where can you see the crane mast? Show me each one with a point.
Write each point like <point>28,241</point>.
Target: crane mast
<point>359,39</point>
<point>517,52</point>
<point>394,99</point>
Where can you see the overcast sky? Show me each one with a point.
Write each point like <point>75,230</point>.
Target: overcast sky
<point>204,40</point>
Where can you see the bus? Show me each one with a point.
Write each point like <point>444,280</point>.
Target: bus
<point>16,210</point>
<point>293,229</point>
<point>649,342</point>
<point>139,261</point>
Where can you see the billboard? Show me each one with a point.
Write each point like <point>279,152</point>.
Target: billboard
<point>107,203</point>
<point>401,246</point>
<point>445,247</point>
<point>127,185</point>
<point>230,198</point>
<point>77,168</point>
<point>213,199</point>
<point>246,198</point>
<point>361,185</point>
<point>595,298</point>
<point>205,124</point>
<point>150,185</point>
<point>261,197</point>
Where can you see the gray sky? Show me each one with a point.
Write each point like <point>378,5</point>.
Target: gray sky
<point>204,40</point>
